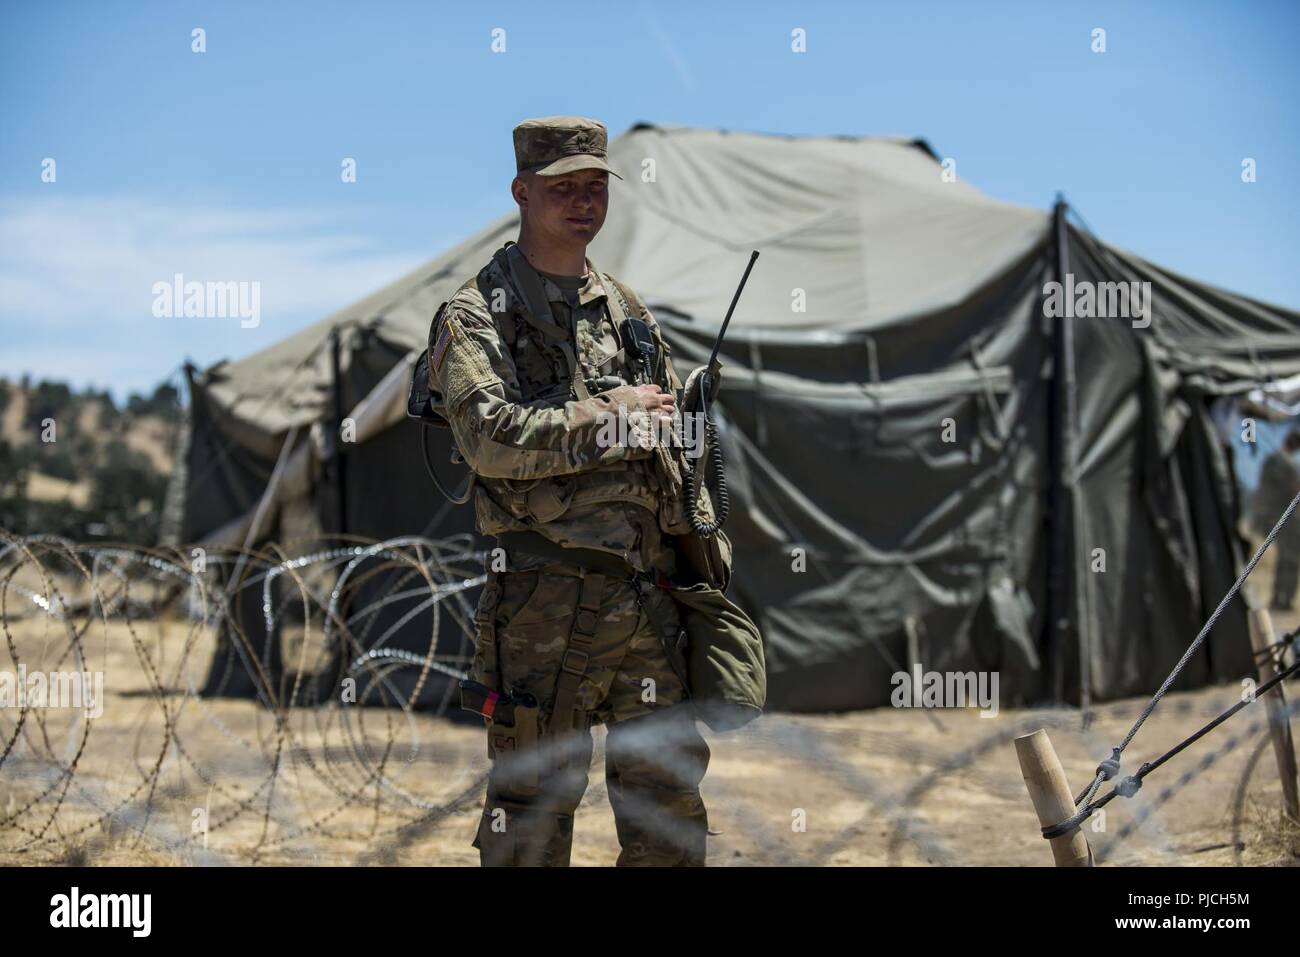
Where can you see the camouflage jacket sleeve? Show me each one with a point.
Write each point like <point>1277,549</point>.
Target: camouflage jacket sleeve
<point>503,437</point>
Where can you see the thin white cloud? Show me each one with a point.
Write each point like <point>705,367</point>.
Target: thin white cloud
<point>679,64</point>
<point>77,276</point>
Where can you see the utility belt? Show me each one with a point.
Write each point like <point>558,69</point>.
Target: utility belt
<point>652,589</point>
<point>715,649</point>
<point>593,559</point>
<point>513,719</point>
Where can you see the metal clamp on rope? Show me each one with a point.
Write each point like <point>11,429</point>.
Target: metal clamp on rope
<point>1110,767</point>
<point>1129,786</point>
<point>1133,783</point>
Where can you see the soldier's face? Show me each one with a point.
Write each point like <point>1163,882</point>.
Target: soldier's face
<point>569,209</point>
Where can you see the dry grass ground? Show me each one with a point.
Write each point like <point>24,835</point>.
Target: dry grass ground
<point>345,786</point>
<point>878,787</point>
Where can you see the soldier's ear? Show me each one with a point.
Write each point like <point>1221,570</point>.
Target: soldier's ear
<point>519,190</point>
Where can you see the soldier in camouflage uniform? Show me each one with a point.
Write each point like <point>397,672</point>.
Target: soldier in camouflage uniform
<point>529,360</point>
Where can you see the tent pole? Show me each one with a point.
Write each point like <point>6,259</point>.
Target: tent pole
<point>340,461</point>
<point>1061,453</point>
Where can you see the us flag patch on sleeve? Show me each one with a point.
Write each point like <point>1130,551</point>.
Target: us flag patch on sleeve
<point>440,346</point>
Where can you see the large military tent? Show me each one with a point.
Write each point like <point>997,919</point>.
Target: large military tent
<point>925,466</point>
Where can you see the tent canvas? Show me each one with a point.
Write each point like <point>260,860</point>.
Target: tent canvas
<point>923,465</point>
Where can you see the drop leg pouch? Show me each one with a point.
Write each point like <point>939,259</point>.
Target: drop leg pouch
<point>517,752</point>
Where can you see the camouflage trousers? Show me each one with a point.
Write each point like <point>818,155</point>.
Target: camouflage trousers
<point>655,757</point>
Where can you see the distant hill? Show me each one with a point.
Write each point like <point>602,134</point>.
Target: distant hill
<point>75,464</point>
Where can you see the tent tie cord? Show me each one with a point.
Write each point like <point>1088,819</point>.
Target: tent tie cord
<point>1130,785</point>
<point>1291,641</point>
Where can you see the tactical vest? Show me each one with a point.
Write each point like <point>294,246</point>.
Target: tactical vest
<point>550,369</point>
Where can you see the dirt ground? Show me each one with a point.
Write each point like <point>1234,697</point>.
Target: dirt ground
<point>348,786</point>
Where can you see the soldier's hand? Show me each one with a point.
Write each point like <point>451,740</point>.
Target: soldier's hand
<point>656,399</point>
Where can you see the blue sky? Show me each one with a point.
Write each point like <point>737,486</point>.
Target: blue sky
<point>225,164</point>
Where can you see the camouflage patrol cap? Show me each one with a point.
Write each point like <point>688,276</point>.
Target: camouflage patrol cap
<point>552,145</point>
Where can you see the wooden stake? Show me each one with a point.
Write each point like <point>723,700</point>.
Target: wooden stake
<point>1050,792</point>
<point>1279,727</point>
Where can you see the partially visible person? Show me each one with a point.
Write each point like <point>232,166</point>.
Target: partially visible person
<point>1279,481</point>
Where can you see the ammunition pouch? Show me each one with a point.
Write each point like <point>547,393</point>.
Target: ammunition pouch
<point>670,473</point>
<point>549,499</point>
<point>511,505</point>
<point>670,477</point>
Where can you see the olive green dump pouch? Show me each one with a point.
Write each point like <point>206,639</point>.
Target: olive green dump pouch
<point>728,677</point>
